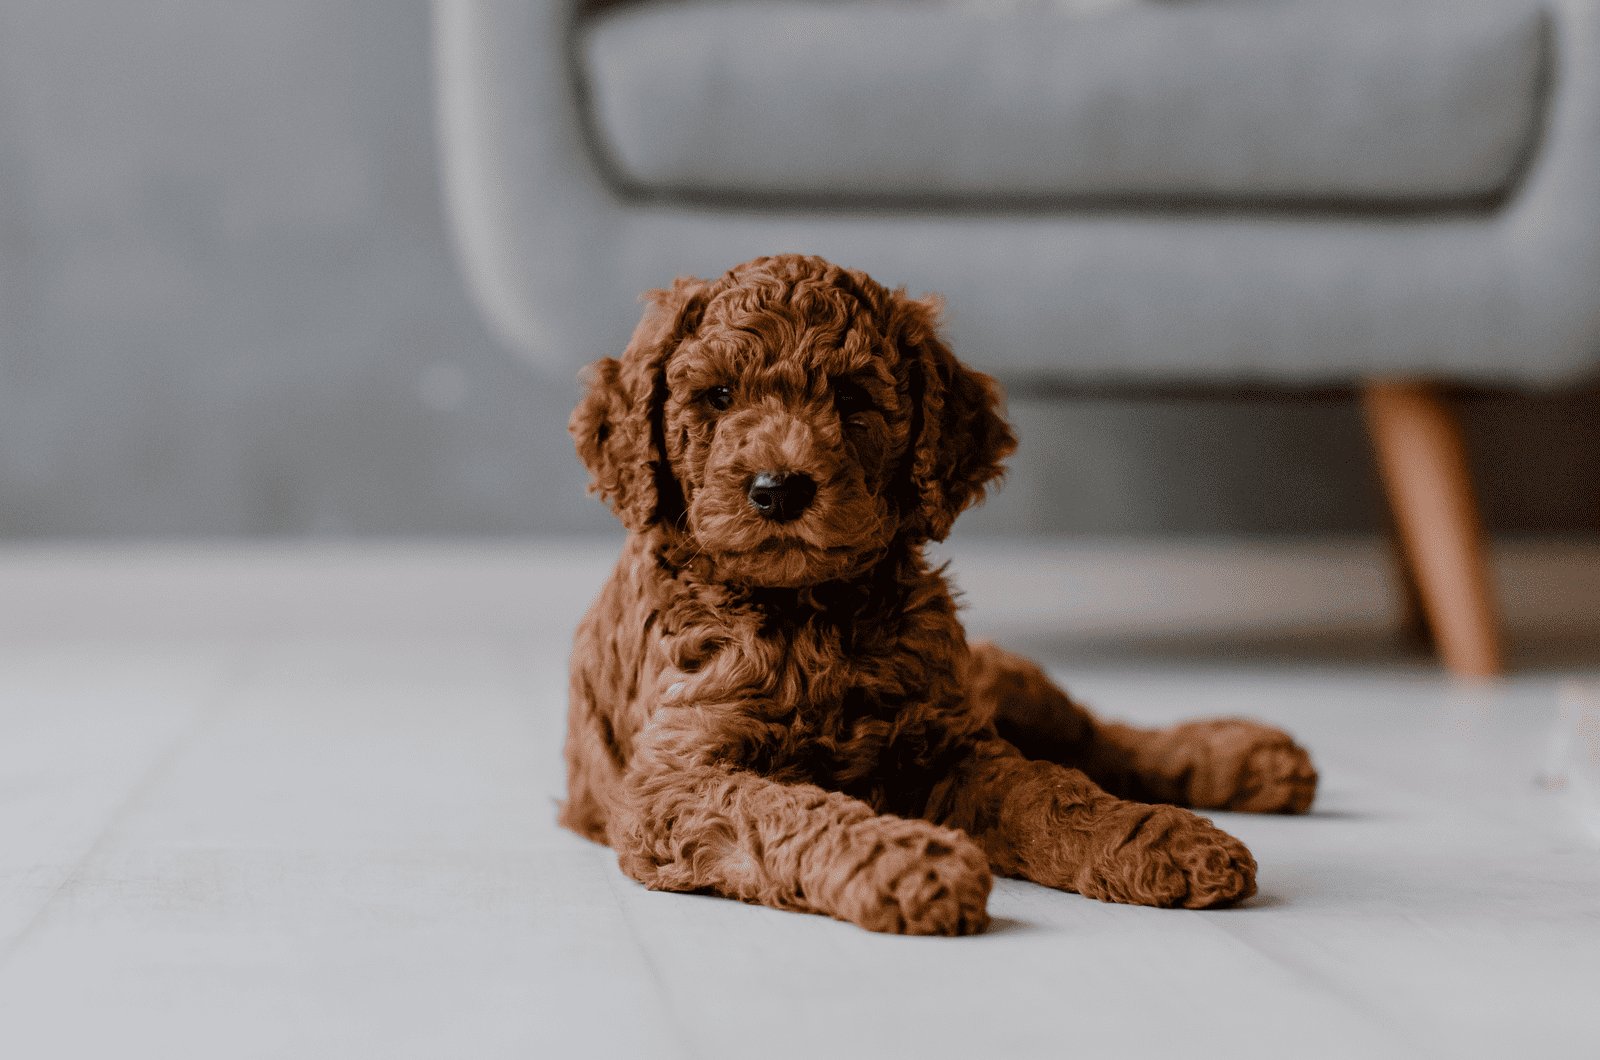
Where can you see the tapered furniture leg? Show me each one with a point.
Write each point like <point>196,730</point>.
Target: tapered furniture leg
<point>1422,461</point>
<point>1413,615</point>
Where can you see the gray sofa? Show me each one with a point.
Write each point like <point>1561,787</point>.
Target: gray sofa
<point>1286,193</point>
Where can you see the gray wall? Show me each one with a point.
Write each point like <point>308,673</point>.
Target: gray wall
<point>228,307</point>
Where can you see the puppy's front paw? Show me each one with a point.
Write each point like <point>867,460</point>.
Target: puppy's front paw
<point>912,878</point>
<point>1246,766</point>
<point>1165,856</point>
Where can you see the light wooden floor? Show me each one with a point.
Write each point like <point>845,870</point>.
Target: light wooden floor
<point>282,802</point>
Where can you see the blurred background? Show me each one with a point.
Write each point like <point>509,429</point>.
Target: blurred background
<point>229,308</point>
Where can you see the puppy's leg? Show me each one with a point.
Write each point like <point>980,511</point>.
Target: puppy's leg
<point>797,846</point>
<point>1052,825</point>
<point>1217,763</point>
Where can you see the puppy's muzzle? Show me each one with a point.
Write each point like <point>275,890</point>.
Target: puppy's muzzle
<point>780,496</point>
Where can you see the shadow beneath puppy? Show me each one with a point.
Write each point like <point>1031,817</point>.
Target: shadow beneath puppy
<point>1004,925</point>
<point>1259,900</point>
<point>1344,815</point>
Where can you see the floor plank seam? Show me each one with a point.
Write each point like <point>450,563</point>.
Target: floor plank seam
<point>232,678</point>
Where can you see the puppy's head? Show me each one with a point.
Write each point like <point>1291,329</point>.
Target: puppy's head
<point>793,418</point>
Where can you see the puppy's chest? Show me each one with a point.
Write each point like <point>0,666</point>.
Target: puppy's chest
<point>842,704</point>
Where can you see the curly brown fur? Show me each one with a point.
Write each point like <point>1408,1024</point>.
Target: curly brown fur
<point>788,712</point>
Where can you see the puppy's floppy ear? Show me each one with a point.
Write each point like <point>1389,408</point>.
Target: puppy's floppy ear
<point>617,427</point>
<point>959,433</point>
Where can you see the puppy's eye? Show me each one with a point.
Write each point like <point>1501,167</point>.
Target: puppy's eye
<point>850,399</point>
<point>719,397</point>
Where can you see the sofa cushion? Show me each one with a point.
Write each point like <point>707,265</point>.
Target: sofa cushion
<point>983,101</point>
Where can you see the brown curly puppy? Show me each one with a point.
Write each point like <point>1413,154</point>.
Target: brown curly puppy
<point>772,698</point>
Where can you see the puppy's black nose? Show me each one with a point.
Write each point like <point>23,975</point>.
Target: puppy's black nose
<point>780,496</point>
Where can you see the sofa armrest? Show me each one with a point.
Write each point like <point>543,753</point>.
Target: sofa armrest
<point>516,163</point>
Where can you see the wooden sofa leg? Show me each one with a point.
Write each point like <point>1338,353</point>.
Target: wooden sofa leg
<point>1422,461</point>
<point>1413,615</point>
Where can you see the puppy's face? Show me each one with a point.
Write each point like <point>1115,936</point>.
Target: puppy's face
<point>792,418</point>
<point>784,422</point>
